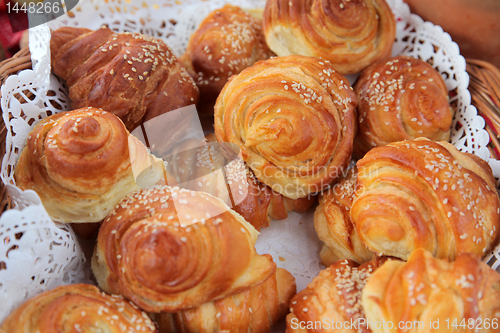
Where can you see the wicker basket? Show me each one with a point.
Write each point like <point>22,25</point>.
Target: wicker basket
<point>484,88</point>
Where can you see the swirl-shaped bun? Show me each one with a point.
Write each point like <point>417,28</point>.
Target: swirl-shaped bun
<point>333,224</point>
<point>255,310</point>
<point>294,121</point>
<point>401,99</point>
<point>351,34</point>
<point>133,76</point>
<point>334,296</point>
<point>77,308</point>
<point>227,41</point>
<point>79,164</point>
<point>425,289</point>
<point>425,194</point>
<point>170,250</point>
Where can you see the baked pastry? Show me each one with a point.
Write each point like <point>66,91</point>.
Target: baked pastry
<point>133,76</point>
<point>350,34</point>
<point>255,310</point>
<point>333,224</point>
<point>401,98</point>
<point>207,169</point>
<point>82,163</point>
<point>333,298</point>
<point>426,194</point>
<point>227,41</point>
<point>77,308</point>
<point>454,297</point>
<point>434,294</point>
<point>169,249</point>
<point>293,119</point>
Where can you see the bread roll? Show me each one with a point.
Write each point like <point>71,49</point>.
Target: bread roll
<point>133,76</point>
<point>425,194</point>
<point>77,308</point>
<point>82,163</point>
<point>401,98</point>
<point>169,249</point>
<point>350,34</point>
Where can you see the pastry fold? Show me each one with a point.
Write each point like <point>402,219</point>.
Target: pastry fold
<point>255,310</point>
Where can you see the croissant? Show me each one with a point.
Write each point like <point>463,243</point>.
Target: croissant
<point>333,224</point>
<point>293,119</point>
<point>455,297</point>
<point>227,41</point>
<point>333,298</point>
<point>401,98</point>
<point>350,34</point>
<point>425,194</point>
<point>77,308</point>
<point>207,170</point>
<point>255,310</point>
<point>82,163</point>
<point>133,76</point>
<point>169,249</point>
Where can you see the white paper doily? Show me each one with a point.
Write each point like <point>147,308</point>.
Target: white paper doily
<point>292,242</point>
<point>36,255</point>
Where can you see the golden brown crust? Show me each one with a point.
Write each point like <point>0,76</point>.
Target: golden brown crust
<point>227,41</point>
<point>255,310</point>
<point>210,249</point>
<point>132,76</point>
<point>79,164</point>
<point>77,308</point>
<point>401,98</point>
<point>293,119</point>
<point>425,194</point>
<point>425,289</point>
<point>333,224</point>
<point>334,296</point>
<point>351,34</point>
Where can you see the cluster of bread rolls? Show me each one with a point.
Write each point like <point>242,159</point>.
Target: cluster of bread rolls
<point>287,127</point>
<point>386,295</point>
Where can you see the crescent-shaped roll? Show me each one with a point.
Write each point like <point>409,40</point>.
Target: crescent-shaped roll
<point>455,297</point>
<point>333,224</point>
<point>401,98</point>
<point>351,34</point>
<point>133,76</point>
<point>227,41</point>
<point>293,119</point>
<point>426,194</point>
<point>77,308</point>
<point>170,250</point>
<point>333,298</point>
<point>82,163</point>
<point>255,310</point>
